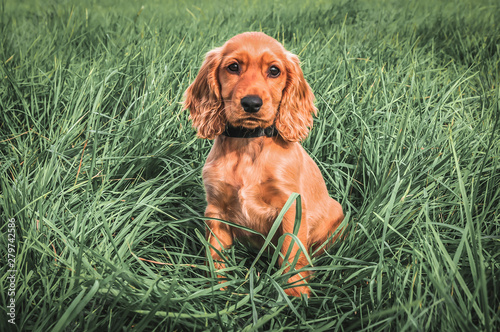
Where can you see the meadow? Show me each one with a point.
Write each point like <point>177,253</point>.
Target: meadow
<point>101,203</point>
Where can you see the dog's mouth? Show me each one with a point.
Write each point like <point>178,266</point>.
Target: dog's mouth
<point>237,117</point>
<point>252,122</point>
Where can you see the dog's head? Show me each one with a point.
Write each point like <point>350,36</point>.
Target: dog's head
<point>251,81</point>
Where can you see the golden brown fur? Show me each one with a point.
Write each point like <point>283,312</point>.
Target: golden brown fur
<point>248,180</point>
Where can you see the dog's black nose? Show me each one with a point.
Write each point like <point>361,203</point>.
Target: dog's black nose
<point>251,104</point>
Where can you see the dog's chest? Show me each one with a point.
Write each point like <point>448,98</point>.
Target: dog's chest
<point>236,182</point>
<point>231,174</point>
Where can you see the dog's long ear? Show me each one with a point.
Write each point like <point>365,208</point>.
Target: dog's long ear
<point>297,103</point>
<point>203,98</point>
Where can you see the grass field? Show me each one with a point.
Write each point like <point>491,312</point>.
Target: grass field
<point>102,201</point>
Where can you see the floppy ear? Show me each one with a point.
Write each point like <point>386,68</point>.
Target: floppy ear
<point>295,114</point>
<point>203,98</point>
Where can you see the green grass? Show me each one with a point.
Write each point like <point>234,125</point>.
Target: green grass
<point>102,171</point>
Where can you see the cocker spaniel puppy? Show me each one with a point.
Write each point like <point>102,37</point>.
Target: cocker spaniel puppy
<point>250,95</point>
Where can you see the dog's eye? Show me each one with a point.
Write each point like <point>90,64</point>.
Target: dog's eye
<point>274,72</point>
<point>233,68</point>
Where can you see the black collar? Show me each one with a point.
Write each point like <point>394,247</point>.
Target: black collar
<point>249,133</point>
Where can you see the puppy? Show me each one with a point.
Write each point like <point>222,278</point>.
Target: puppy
<point>251,97</point>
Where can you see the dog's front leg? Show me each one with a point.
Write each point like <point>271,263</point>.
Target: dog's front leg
<point>218,235</point>
<point>294,254</point>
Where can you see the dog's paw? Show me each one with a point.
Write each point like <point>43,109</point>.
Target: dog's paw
<point>300,286</point>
